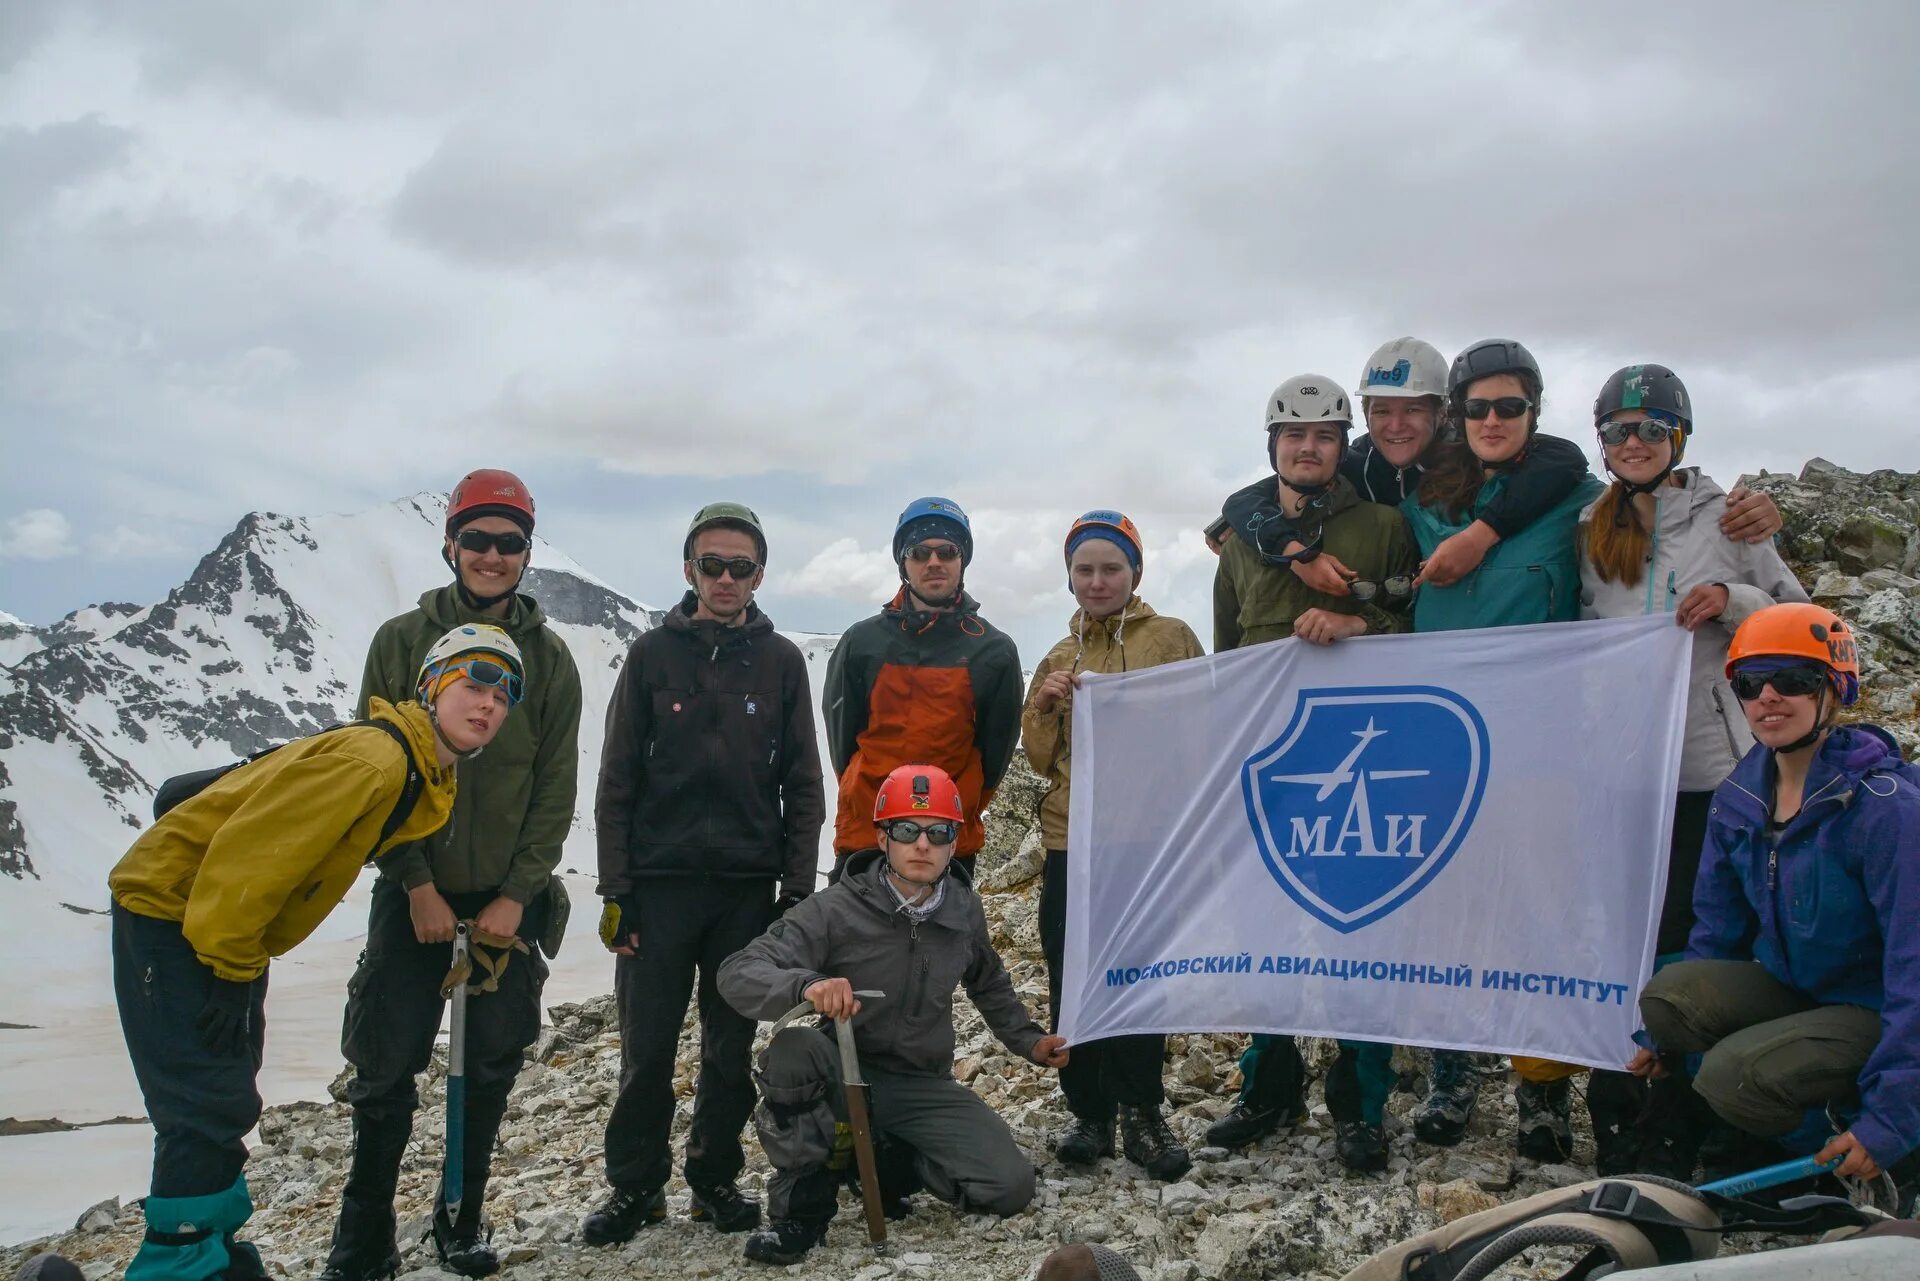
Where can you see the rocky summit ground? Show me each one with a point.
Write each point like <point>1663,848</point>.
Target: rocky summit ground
<point>1284,1209</point>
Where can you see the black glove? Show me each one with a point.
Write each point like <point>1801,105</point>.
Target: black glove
<point>619,921</point>
<point>788,900</point>
<point>225,1024</point>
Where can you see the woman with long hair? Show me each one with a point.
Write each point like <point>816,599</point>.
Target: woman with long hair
<point>1651,544</point>
<point>1494,392</point>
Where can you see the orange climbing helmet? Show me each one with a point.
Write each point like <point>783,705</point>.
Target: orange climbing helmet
<point>918,791</point>
<point>1801,631</point>
<point>1114,527</point>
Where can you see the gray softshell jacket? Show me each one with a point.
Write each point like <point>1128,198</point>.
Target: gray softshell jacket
<point>856,930</point>
<point>1688,549</point>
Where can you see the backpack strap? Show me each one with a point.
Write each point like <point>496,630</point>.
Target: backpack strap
<point>409,790</point>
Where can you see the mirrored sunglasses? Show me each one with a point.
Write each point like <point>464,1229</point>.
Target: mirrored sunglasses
<point>921,553</point>
<point>484,671</point>
<point>906,831</point>
<point>1651,430</point>
<point>1398,587</point>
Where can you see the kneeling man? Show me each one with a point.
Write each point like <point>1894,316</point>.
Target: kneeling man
<point>902,920</point>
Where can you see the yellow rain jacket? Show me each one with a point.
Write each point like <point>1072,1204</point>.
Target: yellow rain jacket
<point>250,866</point>
<point>1134,638</point>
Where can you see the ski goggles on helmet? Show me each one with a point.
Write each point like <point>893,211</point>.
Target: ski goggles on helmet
<point>1651,430</point>
<point>741,567</point>
<point>484,671</point>
<point>906,831</point>
<point>1799,680</point>
<point>1501,406</point>
<point>921,553</point>
<point>479,540</point>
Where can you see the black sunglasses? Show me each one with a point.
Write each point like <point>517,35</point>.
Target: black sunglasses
<point>1787,682</point>
<point>1651,430</point>
<point>906,831</point>
<point>479,540</point>
<point>924,552</point>
<point>741,567</point>
<point>1505,406</point>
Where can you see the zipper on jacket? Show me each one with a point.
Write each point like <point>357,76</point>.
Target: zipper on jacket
<point>1653,560</point>
<point>916,981</point>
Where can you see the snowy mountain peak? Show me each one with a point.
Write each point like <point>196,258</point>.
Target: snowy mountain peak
<point>264,641</point>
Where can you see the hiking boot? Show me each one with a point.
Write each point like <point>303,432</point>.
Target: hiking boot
<point>1361,1146</point>
<point>1545,1132</point>
<point>1085,1141</point>
<point>1443,1116</point>
<point>1727,1151</point>
<point>623,1214</point>
<point>1150,1144</point>
<point>1616,1101</point>
<point>786,1241</point>
<point>723,1207</point>
<point>1246,1123</point>
<point>363,1246</point>
<point>465,1251</point>
<point>1669,1131</point>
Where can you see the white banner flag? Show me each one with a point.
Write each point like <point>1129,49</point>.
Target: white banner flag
<point>1455,839</point>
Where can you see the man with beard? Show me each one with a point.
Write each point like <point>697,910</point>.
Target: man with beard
<point>926,680</point>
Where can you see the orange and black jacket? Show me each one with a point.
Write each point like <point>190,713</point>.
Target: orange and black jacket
<point>912,687</point>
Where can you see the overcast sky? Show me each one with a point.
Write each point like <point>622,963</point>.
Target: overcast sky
<point>825,257</point>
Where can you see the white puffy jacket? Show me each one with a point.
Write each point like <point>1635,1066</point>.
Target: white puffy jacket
<point>1687,550</point>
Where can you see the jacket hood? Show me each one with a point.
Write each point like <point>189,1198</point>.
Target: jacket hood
<point>1249,510</point>
<point>1700,490</point>
<point>872,860</point>
<point>916,619</point>
<point>1850,753</point>
<point>680,619</point>
<point>1134,611</point>
<point>444,606</point>
<point>414,721</point>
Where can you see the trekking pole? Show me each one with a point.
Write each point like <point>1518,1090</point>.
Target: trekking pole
<point>857,1118</point>
<point>1770,1176</point>
<point>453,1173</point>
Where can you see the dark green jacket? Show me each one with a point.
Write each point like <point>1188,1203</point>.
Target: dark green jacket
<point>515,805</point>
<point>1255,602</point>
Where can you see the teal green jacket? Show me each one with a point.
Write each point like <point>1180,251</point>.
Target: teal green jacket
<point>1532,577</point>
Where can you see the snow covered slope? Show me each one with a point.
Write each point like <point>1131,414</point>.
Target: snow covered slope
<point>263,642</point>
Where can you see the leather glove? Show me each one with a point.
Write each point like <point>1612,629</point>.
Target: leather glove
<point>788,900</point>
<point>619,920</point>
<point>225,1024</point>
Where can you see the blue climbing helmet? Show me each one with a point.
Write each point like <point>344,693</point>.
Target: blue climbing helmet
<point>933,517</point>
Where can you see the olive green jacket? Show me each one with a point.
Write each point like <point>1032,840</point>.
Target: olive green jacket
<point>1128,641</point>
<point>515,805</point>
<point>1255,602</point>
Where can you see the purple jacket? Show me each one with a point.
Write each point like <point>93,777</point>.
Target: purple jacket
<point>1831,907</point>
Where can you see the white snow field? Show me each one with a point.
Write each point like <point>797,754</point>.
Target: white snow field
<point>264,641</point>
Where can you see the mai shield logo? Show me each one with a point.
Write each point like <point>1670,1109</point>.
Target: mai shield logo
<point>1365,796</point>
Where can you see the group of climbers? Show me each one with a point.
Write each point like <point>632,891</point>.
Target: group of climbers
<point>1791,889</point>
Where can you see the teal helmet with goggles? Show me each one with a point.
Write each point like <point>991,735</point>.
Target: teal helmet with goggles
<point>1656,392</point>
<point>479,652</point>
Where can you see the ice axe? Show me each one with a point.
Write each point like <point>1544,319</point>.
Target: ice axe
<point>453,1174</point>
<point>1770,1176</point>
<point>857,1119</point>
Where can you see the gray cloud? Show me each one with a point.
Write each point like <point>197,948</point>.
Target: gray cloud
<point>1039,258</point>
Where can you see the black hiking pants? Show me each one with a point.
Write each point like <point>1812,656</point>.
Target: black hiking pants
<point>688,926</point>
<point>393,1017</point>
<point>1100,1076</point>
<point>202,1103</point>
